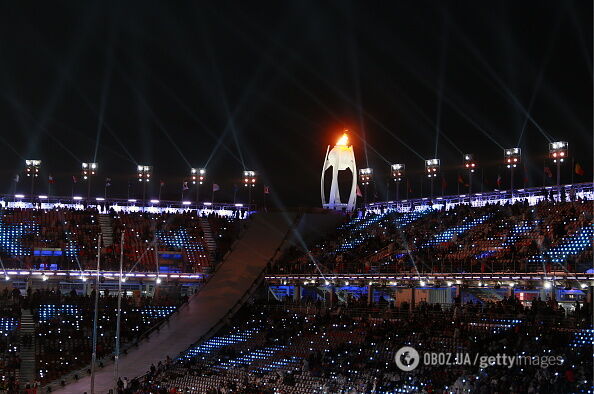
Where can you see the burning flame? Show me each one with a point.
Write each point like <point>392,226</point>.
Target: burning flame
<point>343,141</point>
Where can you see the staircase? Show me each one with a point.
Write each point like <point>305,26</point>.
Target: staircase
<point>106,228</point>
<point>211,245</point>
<point>27,372</point>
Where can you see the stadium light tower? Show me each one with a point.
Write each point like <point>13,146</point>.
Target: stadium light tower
<point>144,175</point>
<point>198,178</point>
<point>512,158</point>
<point>340,158</point>
<point>470,165</point>
<point>558,151</point>
<point>366,177</point>
<point>88,171</point>
<point>249,181</point>
<point>397,176</point>
<point>432,169</point>
<point>32,169</point>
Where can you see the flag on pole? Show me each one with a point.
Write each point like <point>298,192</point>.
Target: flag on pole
<point>460,179</point>
<point>185,186</point>
<point>498,180</point>
<point>579,169</point>
<point>50,179</point>
<point>266,189</point>
<point>162,183</point>
<point>215,187</point>
<point>74,180</point>
<point>107,182</point>
<point>548,172</point>
<point>359,194</point>
<point>16,178</point>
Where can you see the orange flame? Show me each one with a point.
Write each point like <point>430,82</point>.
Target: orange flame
<point>343,141</point>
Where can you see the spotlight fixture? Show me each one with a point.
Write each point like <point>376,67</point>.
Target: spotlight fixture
<point>432,167</point>
<point>198,175</point>
<point>32,167</point>
<point>469,162</point>
<point>89,169</point>
<point>365,175</point>
<point>249,178</point>
<point>397,172</point>
<point>144,173</point>
<point>512,157</point>
<point>558,151</point>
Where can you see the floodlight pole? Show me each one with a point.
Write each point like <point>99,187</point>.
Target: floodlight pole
<point>558,173</point>
<point>397,190</point>
<point>365,195</point>
<point>119,315</point>
<point>94,355</point>
<point>470,182</point>
<point>512,181</point>
<point>89,187</point>
<point>197,192</point>
<point>144,193</point>
<point>431,195</point>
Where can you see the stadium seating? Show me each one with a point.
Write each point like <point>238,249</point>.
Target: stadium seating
<point>271,348</point>
<point>67,239</point>
<point>494,238</point>
<point>64,328</point>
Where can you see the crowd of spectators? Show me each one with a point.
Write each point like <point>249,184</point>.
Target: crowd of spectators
<point>63,336</point>
<point>332,350</point>
<point>63,333</point>
<point>67,239</point>
<point>492,238</point>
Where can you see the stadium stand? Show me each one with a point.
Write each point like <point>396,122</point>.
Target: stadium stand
<point>299,335</point>
<point>494,238</point>
<point>67,238</point>
<point>276,348</point>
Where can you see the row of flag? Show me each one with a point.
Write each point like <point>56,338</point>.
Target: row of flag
<point>51,180</point>
<point>578,169</point>
<point>215,186</point>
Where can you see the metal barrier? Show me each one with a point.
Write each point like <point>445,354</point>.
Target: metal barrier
<point>532,195</point>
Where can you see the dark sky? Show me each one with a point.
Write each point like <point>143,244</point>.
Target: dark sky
<point>267,86</point>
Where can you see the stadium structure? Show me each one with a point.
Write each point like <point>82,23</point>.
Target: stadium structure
<point>124,296</point>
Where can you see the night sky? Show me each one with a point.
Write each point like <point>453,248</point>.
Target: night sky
<point>267,86</point>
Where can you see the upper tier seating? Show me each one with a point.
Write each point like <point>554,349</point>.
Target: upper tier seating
<point>67,239</point>
<point>494,238</point>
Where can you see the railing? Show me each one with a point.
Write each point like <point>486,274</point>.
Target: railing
<point>532,195</point>
<point>123,205</point>
<point>436,276</point>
